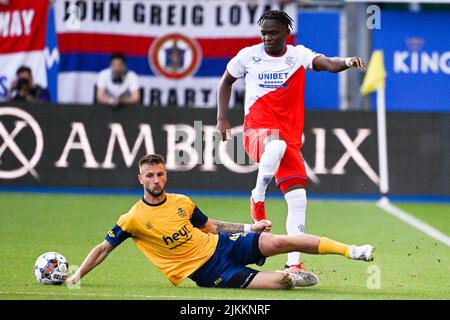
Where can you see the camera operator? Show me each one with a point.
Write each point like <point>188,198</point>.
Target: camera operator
<point>117,85</point>
<point>23,88</point>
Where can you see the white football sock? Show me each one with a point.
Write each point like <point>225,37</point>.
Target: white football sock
<point>268,165</point>
<point>295,222</point>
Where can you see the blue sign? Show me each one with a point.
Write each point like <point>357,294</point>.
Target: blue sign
<point>52,56</point>
<point>417,59</point>
<point>319,31</point>
<point>3,87</point>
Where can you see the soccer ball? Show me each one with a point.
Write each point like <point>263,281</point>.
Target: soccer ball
<point>51,268</point>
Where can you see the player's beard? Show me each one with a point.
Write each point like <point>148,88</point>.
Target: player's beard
<point>155,193</point>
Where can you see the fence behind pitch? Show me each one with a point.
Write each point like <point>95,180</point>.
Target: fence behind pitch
<point>98,147</point>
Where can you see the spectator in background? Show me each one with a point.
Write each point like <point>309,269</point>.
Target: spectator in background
<point>117,85</point>
<point>24,89</point>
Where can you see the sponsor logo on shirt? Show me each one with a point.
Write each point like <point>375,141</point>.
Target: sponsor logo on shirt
<point>273,79</point>
<point>273,76</point>
<point>178,238</point>
<point>256,59</point>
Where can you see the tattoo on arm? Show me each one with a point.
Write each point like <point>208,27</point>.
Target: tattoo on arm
<point>227,227</point>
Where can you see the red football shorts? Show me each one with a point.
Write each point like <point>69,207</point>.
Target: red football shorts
<point>292,167</point>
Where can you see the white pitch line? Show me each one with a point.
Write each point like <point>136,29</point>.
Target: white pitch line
<point>77,294</point>
<point>106,295</point>
<point>384,204</point>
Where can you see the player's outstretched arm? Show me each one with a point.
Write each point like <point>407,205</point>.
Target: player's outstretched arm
<point>213,226</point>
<point>334,65</point>
<point>94,258</point>
<point>223,100</point>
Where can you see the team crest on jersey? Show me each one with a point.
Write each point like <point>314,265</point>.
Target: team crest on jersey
<point>174,56</point>
<point>290,61</point>
<point>181,213</point>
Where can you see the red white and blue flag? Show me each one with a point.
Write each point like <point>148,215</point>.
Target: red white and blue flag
<point>179,49</point>
<point>22,41</point>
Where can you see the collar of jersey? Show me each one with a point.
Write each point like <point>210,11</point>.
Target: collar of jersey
<point>274,57</point>
<point>154,205</point>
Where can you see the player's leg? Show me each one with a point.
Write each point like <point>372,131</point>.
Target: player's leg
<point>270,245</point>
<point>227,267</point>
<point>268,165</point>
<point>244,250</point>
<point>268,149</point>
<point>292,180</point>
<point>282,280</point>
<point>296,219</point>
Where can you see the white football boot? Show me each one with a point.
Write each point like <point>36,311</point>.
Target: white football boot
<point>364,253</point>
<point>302,279</point>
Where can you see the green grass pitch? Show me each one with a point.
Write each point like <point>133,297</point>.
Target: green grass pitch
<point>410,264</point>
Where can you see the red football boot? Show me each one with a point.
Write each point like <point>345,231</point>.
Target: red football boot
<point>295,268</point>
<point>257,210</point>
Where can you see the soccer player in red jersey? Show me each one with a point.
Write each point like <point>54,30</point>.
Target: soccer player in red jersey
<point>274,75</point>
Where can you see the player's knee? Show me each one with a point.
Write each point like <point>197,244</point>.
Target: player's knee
<point>298,196</point>
<point>276,147</point>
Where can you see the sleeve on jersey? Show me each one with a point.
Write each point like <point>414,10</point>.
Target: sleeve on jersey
<point>308,57</point>
<point>236,66</point>
<point>198,218</point>
<point>116,236</point>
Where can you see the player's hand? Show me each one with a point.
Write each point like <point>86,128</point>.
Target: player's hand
<point>358,62</point>
<point>262,226</point>
<point>223,126</point>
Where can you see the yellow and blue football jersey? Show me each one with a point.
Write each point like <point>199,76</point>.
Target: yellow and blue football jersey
<point>168,235</point>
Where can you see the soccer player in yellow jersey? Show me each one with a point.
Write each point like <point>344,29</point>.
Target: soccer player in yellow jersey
<point>183,242</point>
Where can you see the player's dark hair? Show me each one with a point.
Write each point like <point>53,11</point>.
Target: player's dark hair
<point>117,55</point>
<point>22,69</point>
<point>277,15</point>
<point>152,159</point>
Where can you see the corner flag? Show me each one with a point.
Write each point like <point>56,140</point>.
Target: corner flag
<point>375,81</point>
<point>376,74</point>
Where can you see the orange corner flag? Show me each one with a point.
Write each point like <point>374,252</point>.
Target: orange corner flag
<point>376,74</point>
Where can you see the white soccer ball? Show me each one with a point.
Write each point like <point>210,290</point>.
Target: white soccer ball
<point>51,268</point>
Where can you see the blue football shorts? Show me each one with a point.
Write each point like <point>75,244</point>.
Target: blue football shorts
<point>227,267</point>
